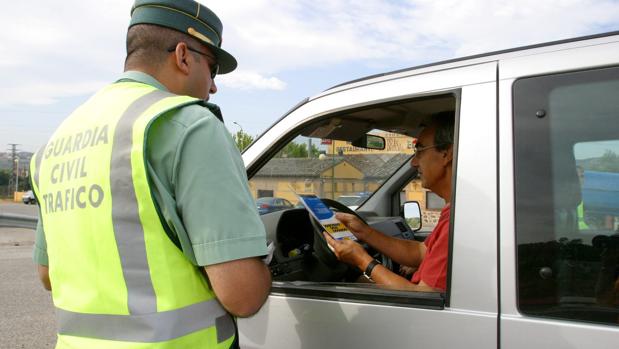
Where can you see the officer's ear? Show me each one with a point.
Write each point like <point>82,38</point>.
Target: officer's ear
<point>181,57</point>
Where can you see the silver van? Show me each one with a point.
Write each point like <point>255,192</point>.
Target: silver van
<point>534,242</point>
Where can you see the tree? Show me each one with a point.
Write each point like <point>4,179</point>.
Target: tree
<point>609,162</point>
<point>297,150</point>
<point>5,176</point>
<point>294,150</point>
<point>242,139</point>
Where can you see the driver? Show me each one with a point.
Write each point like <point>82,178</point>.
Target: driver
<point>433,160</point>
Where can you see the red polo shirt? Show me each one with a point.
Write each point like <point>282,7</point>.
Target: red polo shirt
<point>433,268</point>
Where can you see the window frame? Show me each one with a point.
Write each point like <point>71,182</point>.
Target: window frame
<point>535,91</point>
<point>357,293</point>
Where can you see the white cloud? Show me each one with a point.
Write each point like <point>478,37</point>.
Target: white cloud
<point>55,50</point>
<point>244,80</point>
<point>279,36</point>
<point>48,51</point>
<point>46,93</point>
<point>470,27</point>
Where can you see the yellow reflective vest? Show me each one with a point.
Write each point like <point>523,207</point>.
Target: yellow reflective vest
<point>117,279</point>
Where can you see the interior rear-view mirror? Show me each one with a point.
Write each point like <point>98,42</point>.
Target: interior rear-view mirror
<point>370,142</point>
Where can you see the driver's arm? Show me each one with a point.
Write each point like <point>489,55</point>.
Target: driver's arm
<point>352,253</point>
<point>241,285</point>
<point>405,252</point>
<point>384,276</point>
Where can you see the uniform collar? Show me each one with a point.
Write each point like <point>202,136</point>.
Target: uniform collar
<point>138,76</point>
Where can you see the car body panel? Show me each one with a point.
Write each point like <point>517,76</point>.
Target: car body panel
<point>269,204</point>
<point>476,280</point>
<point>29,198</point>
<point>481,302</point>
<point>548,333</point>
<point>474,267</point>
<point>288,322</point>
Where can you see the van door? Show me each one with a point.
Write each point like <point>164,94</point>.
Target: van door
<point>560,277</point>
<point>311,314</point>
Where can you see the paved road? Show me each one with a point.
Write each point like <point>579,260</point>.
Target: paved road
<point>27,314</point>
<point>18,208</point>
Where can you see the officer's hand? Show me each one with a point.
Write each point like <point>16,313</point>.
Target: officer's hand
<point>354,224</point>
<point>347,251</point>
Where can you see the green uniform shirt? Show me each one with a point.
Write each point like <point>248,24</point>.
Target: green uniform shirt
<point>199,183</point>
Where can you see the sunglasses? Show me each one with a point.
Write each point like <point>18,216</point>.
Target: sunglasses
<point>214,68</point>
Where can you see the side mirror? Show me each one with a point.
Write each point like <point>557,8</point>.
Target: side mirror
<point>370,142</point>
<point>412,215</point>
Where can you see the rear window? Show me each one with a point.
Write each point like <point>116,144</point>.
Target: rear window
<point>566,136</point>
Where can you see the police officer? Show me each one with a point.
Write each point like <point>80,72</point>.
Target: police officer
<point>148,235</point>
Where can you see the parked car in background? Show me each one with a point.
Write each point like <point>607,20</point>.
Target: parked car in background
<point>28,198</point>
<point>269,204</point>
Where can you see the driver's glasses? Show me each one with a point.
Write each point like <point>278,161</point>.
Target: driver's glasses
<point>213,67</point>
<point>418,149</point>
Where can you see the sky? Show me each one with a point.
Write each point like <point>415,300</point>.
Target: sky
<point>54,55</point>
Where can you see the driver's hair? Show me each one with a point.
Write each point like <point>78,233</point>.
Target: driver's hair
<point>147,45</point>
<point>443,123</point>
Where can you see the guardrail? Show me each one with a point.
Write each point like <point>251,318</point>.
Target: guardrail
<point>9,220</point>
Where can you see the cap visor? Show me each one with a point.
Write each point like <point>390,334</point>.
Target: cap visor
<point>226,61</point>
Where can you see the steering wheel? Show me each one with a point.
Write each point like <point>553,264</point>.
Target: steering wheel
<point>321,248</point>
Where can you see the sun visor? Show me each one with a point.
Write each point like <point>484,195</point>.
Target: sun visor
<point>340,129</point>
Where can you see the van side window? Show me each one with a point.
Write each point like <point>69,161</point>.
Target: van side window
<point>357,161</point>
<point>566,140</point>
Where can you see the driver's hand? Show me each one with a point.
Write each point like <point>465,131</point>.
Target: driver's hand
<point>354,224</point>
<point>348,251</point>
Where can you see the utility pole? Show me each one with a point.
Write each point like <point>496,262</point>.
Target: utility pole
<point>16,174</point>
<point>14,180</point>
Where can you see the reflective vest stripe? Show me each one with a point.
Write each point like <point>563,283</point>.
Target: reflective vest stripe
<point>128,230</point>
<point>148,328</point>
